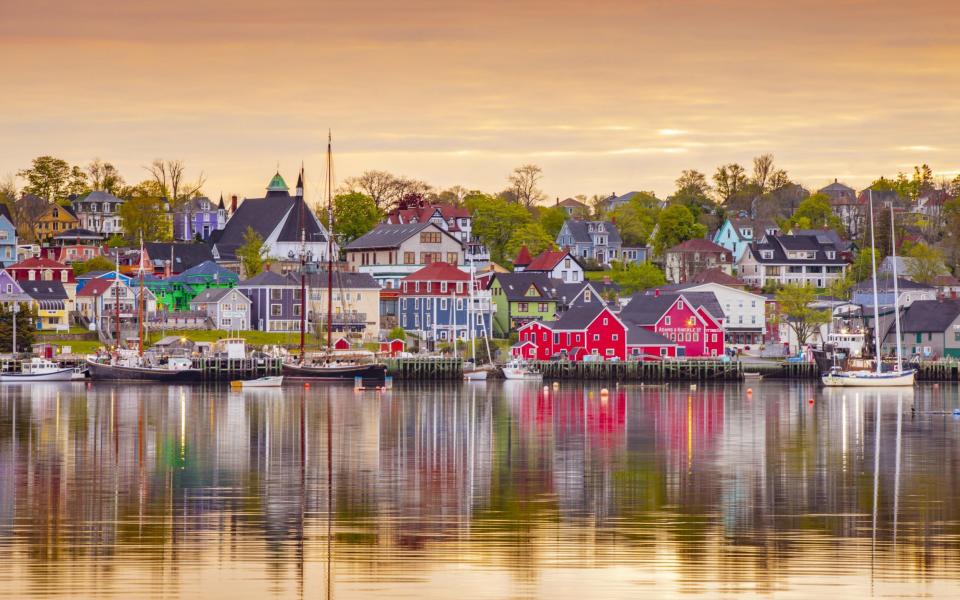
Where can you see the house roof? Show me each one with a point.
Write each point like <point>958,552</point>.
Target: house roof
<point>929,316</point>
<point>646,309</point>
<point>825,236</point>
<point>422,211</point>
<point>571,203</point>
<point>78,232</point>
<point>836,186</point>
<point>438,271</point>
<point>207,269</point>
<point>945,280</point>
<point>716,275</point>
<point>277,184</point>
<point>38,263</point>
<point>344,280</point>
<point>580,231</point>
<point>523,257</point>
<point>576,318</point>
<point>699,245</point>
<point>780,244</point>
<point>885,284</point>
<point>638,336</point>
<point>214,295</point>
<point>96,287</point>
<point>515,285</point>
<point>756,226</point>
<point>387,235</point>
<point>185,256</point>
<point>44,290</point>
<point>269,279</point>
<point>99,196</point>
<point>264,215</point>
<point>5,212</point>
<point>547,260</point>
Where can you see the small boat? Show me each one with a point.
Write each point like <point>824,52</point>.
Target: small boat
<point>38,369</point>
<point>472,372</point>
<point>517,370</point>
<point>79,374</point>
<point>262,382</point>
<point>752,376</point>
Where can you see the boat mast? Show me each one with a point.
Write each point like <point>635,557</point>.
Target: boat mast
<point>471,319</point>
<point>116,293</point>
<point>140,300</point>
<point>876,301</point>
<point>896,291</point>
<point>329,192</point>
<point>303,275</point>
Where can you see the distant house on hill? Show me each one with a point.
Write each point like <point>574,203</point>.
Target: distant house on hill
<point>198,218</point>
<point>597,240</point>
<point>687,259</point>
<point>573,208</point>
<point>391,252</point>
<point>8,237</point>
<point>558,264</point>
<point>736,233</point>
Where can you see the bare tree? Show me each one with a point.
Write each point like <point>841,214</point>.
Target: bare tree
<point>405,188</point>
<point>730,180</point>
<point>523,181</point>
<point>104,177</point>
<point>766,177</point>
<point>169,176</point>
<point>379,185</point>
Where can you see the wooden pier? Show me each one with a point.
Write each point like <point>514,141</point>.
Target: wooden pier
<point>655,371</point>
<point>424,368</point>
<point>229,369</point>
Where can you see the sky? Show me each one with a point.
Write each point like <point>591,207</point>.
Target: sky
<point>606,96</point>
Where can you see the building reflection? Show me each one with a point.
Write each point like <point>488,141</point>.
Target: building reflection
<point>706,484</point>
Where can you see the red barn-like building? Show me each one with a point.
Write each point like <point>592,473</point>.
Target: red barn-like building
<point>693,320</point>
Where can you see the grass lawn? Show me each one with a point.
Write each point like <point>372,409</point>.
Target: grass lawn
<point>254,338</point>
<point>595,275</point>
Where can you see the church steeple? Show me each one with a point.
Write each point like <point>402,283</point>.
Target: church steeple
<point>299,192</point>
<point>277,184</point>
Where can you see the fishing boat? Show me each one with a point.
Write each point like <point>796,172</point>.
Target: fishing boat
<point>752,376</point>
<point>38,369</point>
<point>518,370</point>
<point>79,374</point>
<point>898,377</point>
<point>262,382</point>
<point>474,372</point>
<point>330,366</point>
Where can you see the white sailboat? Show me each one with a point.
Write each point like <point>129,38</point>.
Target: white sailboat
<point>473,371</point>
<point>877,378</point>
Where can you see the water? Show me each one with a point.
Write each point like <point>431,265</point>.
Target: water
<point>478,491</point>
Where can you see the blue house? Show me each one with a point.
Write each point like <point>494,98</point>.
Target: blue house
<point>435,301</point>
<point>737,233</point>
<point>89,276</point>
<point>275,301</point>
<point>8,238</point>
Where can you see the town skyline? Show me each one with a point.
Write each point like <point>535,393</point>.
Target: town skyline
<point>606,98</point>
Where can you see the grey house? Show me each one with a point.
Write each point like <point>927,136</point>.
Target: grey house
<point>228,308</point>
<point>928,329</point>
<point>597,240</point>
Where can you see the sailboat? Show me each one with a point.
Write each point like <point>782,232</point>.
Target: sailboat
<point>330,368</point>
<point>837,377</point>
<point>472,371</point>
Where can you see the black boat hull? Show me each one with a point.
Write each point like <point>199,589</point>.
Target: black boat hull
<point>102,372</point>
<point>346,373</point>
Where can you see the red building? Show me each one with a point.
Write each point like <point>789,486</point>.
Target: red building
<point>41,269</point>
<point>393,348</point>
<point>693,320</point>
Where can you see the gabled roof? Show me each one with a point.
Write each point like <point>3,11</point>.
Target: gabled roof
<point>515,285</point>
<point>39,263</point>
<point>699,245</point>
<point>215,295</point>
<point>716,275</point>
<point>100,196</point>
<point>577,318</point>
<point>269,279</point>
<point>523,257</point>
<point>185,255</point>
<point>422,211</point>
<point>571,203</point>
<point>780,244</point>
<point>646,309</point>
<point>580,231</point>
<point>548,260</point>
<point>264,215</point>
<point>929,316</point>
<point>638,336</point>
<point>757,227</point>
<point>44,290</point>
<point>836,186</point>
<point>5,212</point>
<point>885,284</point>
<point>345,280</point>
<point>825,236</point>
<point>387,235</point>
<point>96,287</point>
<point>78,232</point>
<point>207,269</point>
<point>946,281</point>
<point>438,271</point>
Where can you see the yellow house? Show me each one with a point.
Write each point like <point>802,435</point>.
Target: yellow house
<point>56,219</point>
<point>50,300</point>
<point>355,304</point>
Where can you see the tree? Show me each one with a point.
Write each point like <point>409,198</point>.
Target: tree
<point>860,270</point>
<point>26,318</point>
<point>97,263</point>
<point>77,184</point>
<point>354,214</point>
<point>170,178</point>
<point>494,221</point>
<point>634,277</point>
<point>48,177</point>
<point>105,177</point>
<point>523,182</point>
<point>378,185</point>
<point>252,253</point>
<point>397,333</point>
<point>766,177</point>
<point>693,183</point>
<point>795,305</point>
<point>925,265</point>
<point>552,220</point>
<point>637,218</point>
<point>531,235</point>
<point>147,188</point>
<point>815,212</point>
<point>674,225</point>
<point>729,180</point>
<point>146,217</point>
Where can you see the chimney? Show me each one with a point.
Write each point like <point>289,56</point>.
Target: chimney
<point>558,201</point>
<point>656,293</point>
<point>233,204</point>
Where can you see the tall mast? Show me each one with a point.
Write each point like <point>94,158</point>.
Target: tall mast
<point>329,192</point>
<point>896,291</point>
<point>876,301</point>
<point>303,274</point>
<point>140,299</point>
<point>116,293</point>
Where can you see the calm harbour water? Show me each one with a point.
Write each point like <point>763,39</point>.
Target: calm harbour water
<point>497,490</point>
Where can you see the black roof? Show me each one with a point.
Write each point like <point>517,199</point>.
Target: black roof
<point>929,316</point>
<point>780,244</point>
<point>5,212</point>
<point>645,309</point>
<point>638,336</point>
<point>78,232</point>
<point>264,215</point>
<point>388,235</point>
<point>269,279</point>
<point>343,280</point>
<point>580,231</point>
<point>44,290</point>
<point>515,286</point>
<point>576,318</point>
<point>185,256</point>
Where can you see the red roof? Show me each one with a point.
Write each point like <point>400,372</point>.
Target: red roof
<point>716,275</point>
<point>698,245</point>
<point>945,280</point>
<point>421,213</point>
<point>547,260</point>
<point>95,287</point>
<point>438,271</point>
<point>523,257</point>
<point>39,263</point>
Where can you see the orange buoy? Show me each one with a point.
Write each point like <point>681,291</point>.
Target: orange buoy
<point>749,391</point>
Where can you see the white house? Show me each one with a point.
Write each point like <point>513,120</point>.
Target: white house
<point>226,307</point>
<point>798,259</point>
<point>557,264</point>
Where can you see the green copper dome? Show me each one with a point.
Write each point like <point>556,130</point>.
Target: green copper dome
<point>277,184</point>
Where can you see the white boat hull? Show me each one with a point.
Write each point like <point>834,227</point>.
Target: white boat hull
<point>58,375</point>
<point>263,382</point>
<point>516,374</point>
<point>475,375</point>
<point>869,379</point>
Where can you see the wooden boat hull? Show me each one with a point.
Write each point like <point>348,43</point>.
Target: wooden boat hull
<point>867,379</point>
<point>104,372</point>
<point>59,375</point>
<point>341,373</point>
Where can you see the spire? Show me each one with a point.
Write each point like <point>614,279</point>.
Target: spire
<point>277,184</point>
<point>221,206</point>
<point>300,182</point>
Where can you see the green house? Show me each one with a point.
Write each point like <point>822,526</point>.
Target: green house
<point>175,293</point>
<point>519,298</point>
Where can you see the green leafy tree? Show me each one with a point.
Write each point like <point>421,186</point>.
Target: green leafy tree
<point>815,213</point>
<point>97,263</point>
<point>634,277</point>
<point>675,224</point>
<point>354,214</point>
<point>794,301</point>
<point>48,177</point>
<point>146,216</point>
<point>531,235</point>
<point>637,218</point>
<point>552,220</point>
<point>494,222</point>
<point>26,318</point>
<point>397,333</point>
<point>925,265</point>
<point>252,253</point>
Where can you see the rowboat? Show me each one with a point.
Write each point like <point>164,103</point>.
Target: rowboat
<point>262,382</point>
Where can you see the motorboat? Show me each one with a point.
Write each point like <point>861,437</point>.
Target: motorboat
<point>38,369</point>
<point>79,373</point>
<point>175,370</point>
<point>262,382</point>
<point>518,370</point>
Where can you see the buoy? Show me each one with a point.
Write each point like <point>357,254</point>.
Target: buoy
<point>556,385</point>
<point>693,387</point>
<point>306,385</point>
<point>810,401</point>
<point>604,392</point>
<point>749,391</point>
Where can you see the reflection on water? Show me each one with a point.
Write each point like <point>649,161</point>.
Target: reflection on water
<point>495,490</point>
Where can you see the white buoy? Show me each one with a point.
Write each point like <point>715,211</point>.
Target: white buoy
<point>604,392</point>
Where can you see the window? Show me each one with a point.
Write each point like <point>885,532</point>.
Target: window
<point>615,337</point>
<point>428,258</point>
<point>696,336</point>
<point>443,287</point>
<point>522,306</point>
<point>453,257</point>
<point>587,297</point>
<point>556,338</point>
<point>275,310</point>
<point>609,351</point>
<point>680,305</point>
<point>566,263</point>
<point>275,294</point>
<point>543,307</point>
<point>663,351</point>
<point>606,321</point>
<point>430,237</point>
<point>409,258</point>
<point>596,337</point>
<point>443,304</point>
<point>296,310</point>
<point>666,320</point>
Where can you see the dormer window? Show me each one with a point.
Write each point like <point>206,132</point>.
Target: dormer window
<point>766,254</point>
<point>831,254</point>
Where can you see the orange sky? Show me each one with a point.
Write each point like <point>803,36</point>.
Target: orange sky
<point>605,96</point>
